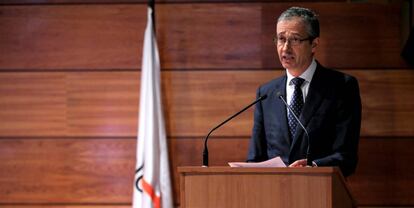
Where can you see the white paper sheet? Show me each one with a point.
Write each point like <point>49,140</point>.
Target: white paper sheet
<point>271,163</point>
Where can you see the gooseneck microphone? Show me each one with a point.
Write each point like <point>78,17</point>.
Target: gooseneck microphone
<point>205,152</point>
<point>308,159</point>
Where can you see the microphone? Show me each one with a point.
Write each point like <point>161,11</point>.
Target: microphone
<point>205,152</point>
<point>308,159</point>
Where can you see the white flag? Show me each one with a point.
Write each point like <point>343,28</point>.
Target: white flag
<point>152,185</point>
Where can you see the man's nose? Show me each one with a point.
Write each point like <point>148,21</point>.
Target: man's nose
<point>286,46</point>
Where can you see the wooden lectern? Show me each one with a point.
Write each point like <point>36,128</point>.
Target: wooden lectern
<point>263,187</point>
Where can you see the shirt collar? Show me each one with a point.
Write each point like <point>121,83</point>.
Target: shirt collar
<point>306,75</point>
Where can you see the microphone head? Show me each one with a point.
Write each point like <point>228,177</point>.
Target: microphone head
<point>263,97</point>
<point>279,94</point>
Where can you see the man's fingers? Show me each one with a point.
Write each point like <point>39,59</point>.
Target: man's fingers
<point>298,163</point>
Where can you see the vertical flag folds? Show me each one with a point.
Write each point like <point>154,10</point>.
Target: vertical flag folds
<point>152,185</point>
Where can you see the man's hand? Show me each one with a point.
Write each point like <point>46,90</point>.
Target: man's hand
<point>299,163</point>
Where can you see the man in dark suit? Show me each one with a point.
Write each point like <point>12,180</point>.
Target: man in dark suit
<point>327,103</point>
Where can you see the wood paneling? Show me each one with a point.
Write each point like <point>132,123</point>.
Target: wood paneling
<point>32,104</point>
<point>54,170</point>
<point>210,35</point>
<point>68,104</point>
<point>383,176</point>
<point>106,103</point>
<point>194,36</point>
<point>71,36</point>
<point>66,170</point>
<point>387,100</point>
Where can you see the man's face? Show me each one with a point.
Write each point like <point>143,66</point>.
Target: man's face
<point>295,58</point>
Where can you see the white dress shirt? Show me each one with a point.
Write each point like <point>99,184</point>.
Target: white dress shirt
<point>306,75</point>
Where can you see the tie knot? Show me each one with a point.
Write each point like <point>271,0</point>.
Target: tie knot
<point>297,81</point>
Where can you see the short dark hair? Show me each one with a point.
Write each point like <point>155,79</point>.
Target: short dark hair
<point>309,17</point>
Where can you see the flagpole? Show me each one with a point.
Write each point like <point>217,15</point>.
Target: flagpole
<point>151,4</point>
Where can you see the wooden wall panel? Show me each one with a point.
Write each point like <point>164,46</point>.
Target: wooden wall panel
<point>383,176</point>
<point>100,171</point>
<point>103,103</point>
<point>194,36</point>
<point>32,104</point>
<point>69,171</point>
<point>206,103</point>
<point>106,103</point>
<point>69,104</point>
<point>71,37</point>
<point>387,99</point>
<point>210,35</point>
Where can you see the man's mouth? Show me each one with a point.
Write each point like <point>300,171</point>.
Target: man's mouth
<point>288,57</point>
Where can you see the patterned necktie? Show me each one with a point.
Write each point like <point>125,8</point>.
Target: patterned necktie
<point>296,105</point>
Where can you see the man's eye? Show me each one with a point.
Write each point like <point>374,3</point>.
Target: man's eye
<point>295,40</point>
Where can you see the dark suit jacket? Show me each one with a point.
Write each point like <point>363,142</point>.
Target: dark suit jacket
<point>331,114</point>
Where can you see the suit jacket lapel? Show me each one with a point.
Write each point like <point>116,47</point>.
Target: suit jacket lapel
<point>278,107</point>
<point>313,99</point>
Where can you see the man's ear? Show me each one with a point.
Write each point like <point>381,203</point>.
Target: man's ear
<point>315,43</point>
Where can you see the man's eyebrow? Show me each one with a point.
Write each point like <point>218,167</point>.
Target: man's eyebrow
<point>294,34</point>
